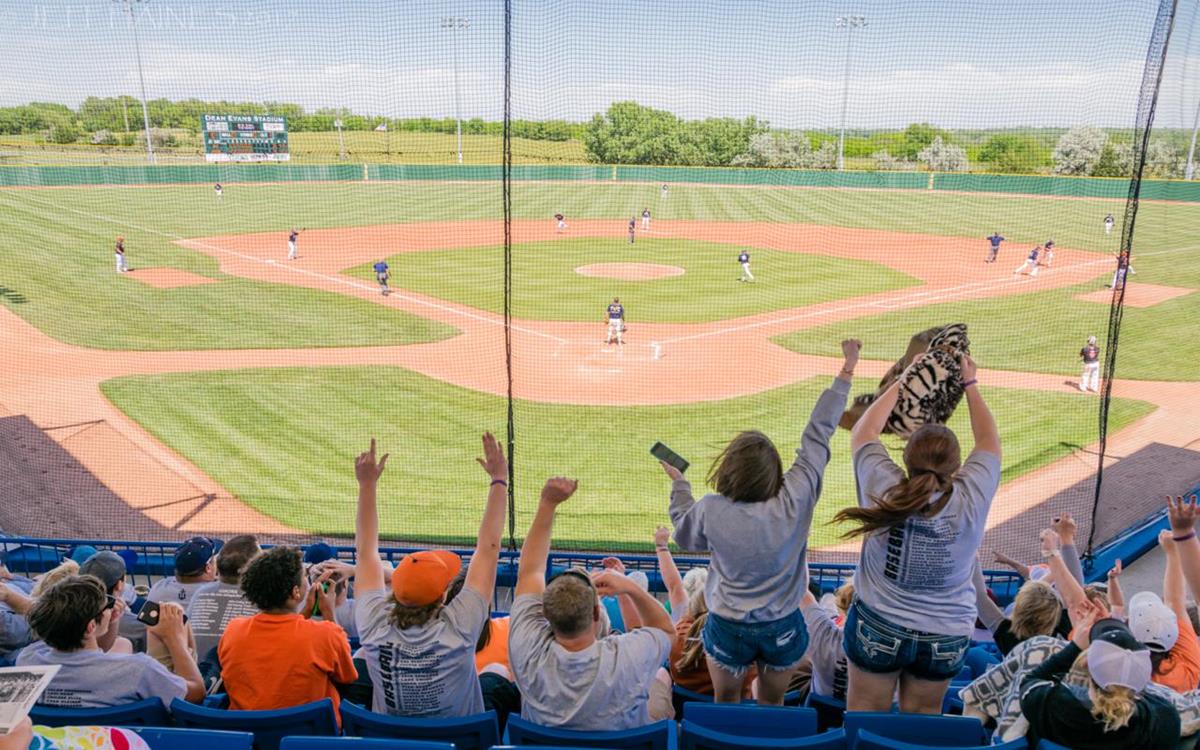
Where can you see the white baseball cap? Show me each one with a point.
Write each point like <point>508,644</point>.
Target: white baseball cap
<point>640,578</point>
<point>1152,622</point>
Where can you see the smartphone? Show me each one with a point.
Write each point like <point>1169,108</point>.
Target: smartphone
<point>149,614</point>
<point>663,453</point>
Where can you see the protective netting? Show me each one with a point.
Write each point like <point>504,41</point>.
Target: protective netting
<point>520,166</point>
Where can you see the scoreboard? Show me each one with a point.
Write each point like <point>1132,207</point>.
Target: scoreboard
<point>245,138</point>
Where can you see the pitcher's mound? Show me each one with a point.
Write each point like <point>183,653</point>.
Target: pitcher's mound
<point>168,278</point>
<point>1138,295</point>
<point>630,271</point>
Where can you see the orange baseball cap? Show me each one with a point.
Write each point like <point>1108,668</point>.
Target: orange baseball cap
<point>422,577</point>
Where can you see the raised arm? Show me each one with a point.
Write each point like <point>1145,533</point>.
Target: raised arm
<point>804,476</point>
<point>1021,568</point>
<point>1173,592</point>
<point>1182,514</point>
<point>1064,526</point>
<point>989,614</point>
<point>531,570</point>
<point>1116,597</point>
<point>1070,589</point>
<point>481,572</point>
<point>870,425</point>
<point>686,513</point>
<point>983,425</point>
<point>650,612</point>
<point>368,570</point>
<point>629,613</point>
<point>676,593</point>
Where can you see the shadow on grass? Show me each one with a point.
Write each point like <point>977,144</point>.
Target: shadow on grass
<point>12,296</point>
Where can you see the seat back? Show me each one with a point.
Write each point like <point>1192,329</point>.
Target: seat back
<point>1048,745</point>
<point>829,710</point>
<point>934,731</point>
<point>358,743</point>
<point>868,740</point>
<point>269,727</point>
<point>657,736</point>
<point>477,732</point>
<point>695,737</point>
<point>165,738</point>
<point>752,720</point>
<point>145,713</point>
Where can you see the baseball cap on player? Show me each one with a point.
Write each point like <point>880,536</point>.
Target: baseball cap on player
<point>194,554</point>
<point>422,577</point>
<point>1152,622</point>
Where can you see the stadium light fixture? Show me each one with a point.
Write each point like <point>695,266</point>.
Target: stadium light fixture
<point>137,50</point>
<point>453,24</point>
<point>849,23</point>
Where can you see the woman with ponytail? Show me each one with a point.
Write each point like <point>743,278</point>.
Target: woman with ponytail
<point>921,527</point>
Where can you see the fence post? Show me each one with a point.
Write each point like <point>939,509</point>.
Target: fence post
<point>930,186</point>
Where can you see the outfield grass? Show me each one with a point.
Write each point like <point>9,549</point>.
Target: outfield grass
<point>284,441</point>
<point>1037,332</point>
<point>546,286</point>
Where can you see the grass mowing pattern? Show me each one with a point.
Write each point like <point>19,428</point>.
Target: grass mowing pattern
<point>284,441</point>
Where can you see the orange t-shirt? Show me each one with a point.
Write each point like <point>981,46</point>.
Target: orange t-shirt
<point>496,652</point>
<point>698,679</point>
<point>280,661</point>
<point>1180,671</point>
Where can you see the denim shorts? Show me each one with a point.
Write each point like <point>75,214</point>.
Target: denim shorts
<point>875,645</point>
<point>779,644</point>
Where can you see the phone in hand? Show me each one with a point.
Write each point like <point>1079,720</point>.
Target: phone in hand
<point>149,614</point>
<point>670,457</point>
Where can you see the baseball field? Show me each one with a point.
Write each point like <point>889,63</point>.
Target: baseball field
<point>234,386</point>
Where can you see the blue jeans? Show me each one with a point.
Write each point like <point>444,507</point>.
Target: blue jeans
<point>875,645</point>
<point>779,644</point>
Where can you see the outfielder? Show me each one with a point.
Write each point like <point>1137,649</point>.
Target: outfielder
<point>632,228</point>
<point>1108,224</point>
<point>217,189</point>
<point>119,251</point>
<point>292,254</point>
<point>1030,263</point>
<point>1090,354</point>
<point>664,191</point>
<point>382,274</point>
<point>744,259</point>
<point>995,239</point>
<point>616,323</point>
<point>562,222</point>
<point>645,219</point>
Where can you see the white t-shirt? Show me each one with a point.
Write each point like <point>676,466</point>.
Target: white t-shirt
<point>170,589</point>
<point>211,608</point>
<point>606,686</point>
<point>427,671</point>
<point>825,649</point>
<point>91,678</point>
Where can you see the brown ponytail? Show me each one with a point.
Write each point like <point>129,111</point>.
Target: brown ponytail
<point>692,657</point>
<point>932,456</point>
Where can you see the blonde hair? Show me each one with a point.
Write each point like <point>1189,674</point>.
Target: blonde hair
<point>843,597</point>
<point>692,657</point>
<point>1036,610</point>
<point>64,569</point>
<point>694,580</point>
<point>1115,705</point>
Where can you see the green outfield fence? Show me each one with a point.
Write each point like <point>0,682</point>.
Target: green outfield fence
<point>1074,187</point>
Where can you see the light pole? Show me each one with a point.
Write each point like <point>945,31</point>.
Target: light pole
<point>1190,170</point>
<point>341,139</point>
<point>453,24</point>
<point>849,23</point>
<point>137,50</point>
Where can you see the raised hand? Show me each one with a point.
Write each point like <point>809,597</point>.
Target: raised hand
<point>850,351</point>
<point>1114,572</point>
<point>671,471</point>
<point>968,368</point>
<point>1050,541</point>
<point>493,461</point>
<point>1065,527</point>
<point>662,536</point>
<point>1182,514</point>
<point>613,564</point>
<point>612,583</point>
<point>1083,616</point>
<point>1166,541</point>
<point>366,468</point>
<point>558,489</point>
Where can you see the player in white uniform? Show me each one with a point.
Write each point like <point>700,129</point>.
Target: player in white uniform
<point>217,189</point>
<point>616,323</point>
<point>744,259</point>
<point>1090,355</point>
<point>292,253</point>
<point>562,221</point>
<point>1109,221</point>
<point>1048,254</point>
<point>645,219</point>
<point>119,252</point>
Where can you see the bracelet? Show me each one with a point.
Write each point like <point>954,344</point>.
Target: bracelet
<point>847,372</point>
<point>664,548</point>
<point>969,383</point>
<point>1185,537</point>
<point>499,481</point>
<point>1047,554</point>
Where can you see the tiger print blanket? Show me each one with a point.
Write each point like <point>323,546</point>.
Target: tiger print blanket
<point>930,381</point>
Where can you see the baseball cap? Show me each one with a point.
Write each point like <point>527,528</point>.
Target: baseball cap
<point>194,554</point>
<point>421,578</point>
<point>81,553</point>
<point>640,578</point>
<point>318,552</point>
<point>107,566</point>
<point>1152,622</point>
<point>1115,657</point>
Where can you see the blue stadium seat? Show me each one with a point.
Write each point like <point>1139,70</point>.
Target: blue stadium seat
<point>358,743</point>
<point>269,727</point>
<point>657,736</point>
<point>699,738</point>
<point>160,738</point>
<point>870,741</point>
<point>753,721</point>
<point>829,710</point>
<point>147,713</point>
<point>1048,745</point>
<point>980,660</point>
<point>936,731</point>
<point>478,732</point>
<point>681,696</point>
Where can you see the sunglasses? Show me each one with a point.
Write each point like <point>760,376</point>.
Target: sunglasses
<point>110,601</point>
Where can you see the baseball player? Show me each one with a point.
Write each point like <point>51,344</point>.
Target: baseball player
<point>217,189</point>
<point>382,274</point>
<point>1090,354</point>
<point>1030,263</point>
<point>1108,224</point>
<point>119,251</point>
<point>562,222</point>
<point>1124,269</point>
<point>292,254</point>
<point>645,219</point>
<point>632,228</point>
<point>744,259</point>
<point>664,191</point>
<point>1048,253</point>
<point>616,323</point>
<point>995,239</point>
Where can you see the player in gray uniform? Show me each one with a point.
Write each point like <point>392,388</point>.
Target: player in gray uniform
<point>616,323</point>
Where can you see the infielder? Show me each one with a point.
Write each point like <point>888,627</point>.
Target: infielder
<point>645,219</point>
<point>562,222</point>
<point>217,189</point>
<point>744,259</point>
<point>119,251</point>
<point>1108,224</point>
<point>632,228</point>
<point>616,323</point>
<point>995,239</point>
<point>1090,354</point>
<point>382,274</point>
<point>1123,269</point>
<point>1030,263</point>
<point>292,254</point>
<point>1048,254</point>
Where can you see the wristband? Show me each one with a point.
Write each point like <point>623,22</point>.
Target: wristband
<point>969,383</point>
<point>664,548</point>
<point>1047,554</point>
<point>499,481</point>
<point>847,372</point>
<point>1185,537</point>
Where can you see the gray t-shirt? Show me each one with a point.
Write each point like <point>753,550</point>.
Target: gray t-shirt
<point>758,571</point>
<point>211,608</point>
<point>91,678</point>
<point>918,574</point>
<point>825,649</point>
<point>427,671</point>
<point>606,686</point>
<point>171,589</point>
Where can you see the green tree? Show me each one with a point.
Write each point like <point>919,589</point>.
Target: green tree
<point>918,136</point>
<point>1010,152</point>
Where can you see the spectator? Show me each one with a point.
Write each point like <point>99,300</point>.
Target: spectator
<point>64,569</point>
<point>110,569</point>
<point>15,601</point>
<point>914,613</point>
<point>677,594</point>
<point>279,658</point>
<point>756,526</point>
<point>825,649</point>
<point>689,667</point>
<point>1037,610</point>
<point>194,567</point>
<point>214,605</point>
<point>344,604</point>
<point>568,677</point>
<point>420,651</point>
<point>492,646</point>
<point>70,618</point>
<point>1114,714</point>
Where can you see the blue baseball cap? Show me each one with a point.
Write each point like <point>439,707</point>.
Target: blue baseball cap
<point>194,554</point>
<point>318,552</point>
<point>81,553</point>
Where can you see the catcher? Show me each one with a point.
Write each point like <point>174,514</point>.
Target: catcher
<point>616,323</point>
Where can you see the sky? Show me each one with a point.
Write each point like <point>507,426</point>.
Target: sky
<point>955,63</point>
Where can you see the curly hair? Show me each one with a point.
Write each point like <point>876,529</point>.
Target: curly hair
<point>270,578</point>
<point>61,616</point>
